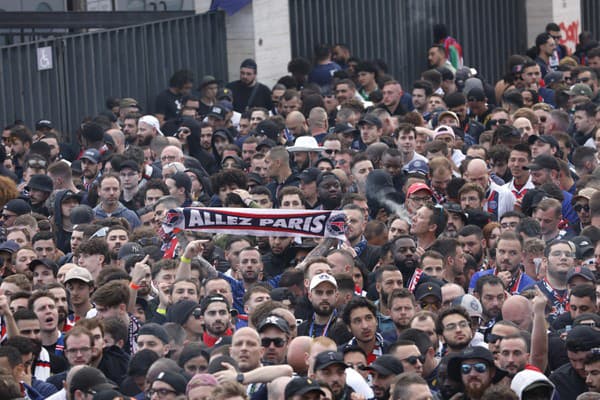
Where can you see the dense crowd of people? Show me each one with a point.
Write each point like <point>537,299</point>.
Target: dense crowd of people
<point>469,265</point>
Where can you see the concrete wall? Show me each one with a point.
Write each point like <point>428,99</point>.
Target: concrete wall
<point>566,13</point>
<point>261,30</point>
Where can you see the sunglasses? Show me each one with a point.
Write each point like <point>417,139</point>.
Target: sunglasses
<point>501,121</point>
<point>493,338</point>
<point>197,313</point>
<point>330,151</point>
<point>579,207</point>
<point>412,360</point>
<point>479,367</point>
<point>36,164</point>
<point>583,80</point>
<point>278,342</point>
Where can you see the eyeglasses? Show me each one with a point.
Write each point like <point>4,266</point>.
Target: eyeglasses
<point>81,350</point>
<point>501,121</point>
<point>579,207</point>
<point>160,392</point>
<point>558,253</point>
<point>412,360</point>
<point>479,368</point>
<point>452,326</point>
<point>278,342</point>
<point>168,158</point>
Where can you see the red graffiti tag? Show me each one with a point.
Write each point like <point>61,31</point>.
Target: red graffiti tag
<point>569,39</point>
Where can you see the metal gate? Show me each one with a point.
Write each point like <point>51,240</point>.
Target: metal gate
<point>400,31</point>
<point>134,61</point>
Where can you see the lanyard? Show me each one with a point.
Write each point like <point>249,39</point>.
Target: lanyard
<point>312,331</point>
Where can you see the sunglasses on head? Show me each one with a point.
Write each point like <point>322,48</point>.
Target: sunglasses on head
<point>493,338</point>
<point>479,367</point>
<point>278,342</point>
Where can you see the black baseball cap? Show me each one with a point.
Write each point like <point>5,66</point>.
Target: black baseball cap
<point>474,352</point>
<point>277,322</point>
<point>386,365</point>
<point>428,289</point>
<point>309,175</point>
<point>300,386</point>
<point>327,358</point>
<point>544,161</point>
<point>582,338</point>
<point>213,298</point>
<point>45,262</point>
<point>543,138</point>
<point>370,119</point>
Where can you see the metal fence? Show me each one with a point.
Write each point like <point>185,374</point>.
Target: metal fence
<point>400,31</point>
<point>134,61</point>
<point>590,17</point>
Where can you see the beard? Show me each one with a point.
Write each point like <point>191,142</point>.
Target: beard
<point>475,392</point>
<point>322,310</point>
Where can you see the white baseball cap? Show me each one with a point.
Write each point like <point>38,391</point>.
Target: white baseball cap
<point>318,279</point>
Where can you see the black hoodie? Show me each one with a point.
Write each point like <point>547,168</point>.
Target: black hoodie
<point>193,141</point>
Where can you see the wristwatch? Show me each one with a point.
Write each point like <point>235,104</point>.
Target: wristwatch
<point>240,378</point>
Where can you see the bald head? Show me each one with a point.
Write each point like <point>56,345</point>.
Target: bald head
<point>245,331</point>
<point>477,173</point>
<point>171,154</point>
<point>518,309</point>
<point>297,354</point>
<point>294,118</point>
<point>451,291</point>
<point>317,118</point>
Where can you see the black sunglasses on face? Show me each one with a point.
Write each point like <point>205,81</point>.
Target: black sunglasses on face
<point>278,342</point>
<point>412,360</point>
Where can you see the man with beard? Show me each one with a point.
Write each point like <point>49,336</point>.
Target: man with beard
<point>509,253</point>
<point>148,129</point>
<point>278,259</point>
<point>323,294</point>
<point>60,294</point>
<point>39,188</point>
<point>130,127</point>
<point>90,167</point>
<point>473,243</point>
<point>514,353</point>
<point>274,334</point>
<point>456,219</point>
<point>402,306</point>
<point>454,259</point>
<point>489,290</point>
<point>454,325</point>
<point>384,371</point>
<point>109,191</point>
<point>116,237</point>
<point>475,367</point>
<point>216,318</point>
<point>247,92</point>
<point>355,227</point>
<point>404,254</point>
<point>387,279</point>
<point>329,367</point>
